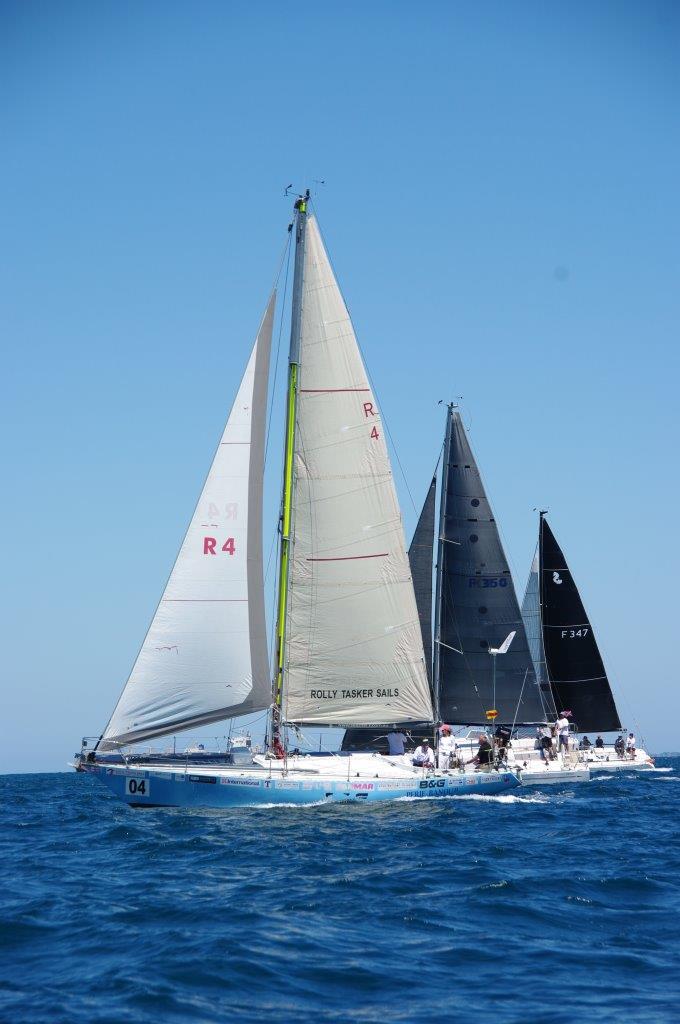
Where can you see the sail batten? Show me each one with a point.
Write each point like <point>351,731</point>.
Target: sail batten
<point>574,666</point>
<point>204,657</point>
<point>353,653</point>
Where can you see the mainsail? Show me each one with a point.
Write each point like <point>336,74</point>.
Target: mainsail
<point>204,657</point>
<point>574,665</point>
<point>477,604</point>
<point>353,648</point>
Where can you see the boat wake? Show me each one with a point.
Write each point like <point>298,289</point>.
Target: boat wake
<point>503,798</point>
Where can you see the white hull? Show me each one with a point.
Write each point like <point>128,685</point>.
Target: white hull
<point>556,773</point>
<point>531,768</point>
<point>607,760</point>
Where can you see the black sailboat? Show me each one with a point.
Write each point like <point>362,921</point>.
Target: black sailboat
<point>476,607</point>
<point>567,657</point>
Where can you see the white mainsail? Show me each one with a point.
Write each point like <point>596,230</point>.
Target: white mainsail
<point>204,657</point>
<point>354,652</point>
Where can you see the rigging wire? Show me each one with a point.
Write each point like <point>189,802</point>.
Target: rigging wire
<point>286,256</point>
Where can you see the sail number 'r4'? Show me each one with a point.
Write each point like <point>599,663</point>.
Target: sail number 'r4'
<point>210,544</point>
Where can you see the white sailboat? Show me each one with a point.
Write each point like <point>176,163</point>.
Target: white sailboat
<point>349,649</point>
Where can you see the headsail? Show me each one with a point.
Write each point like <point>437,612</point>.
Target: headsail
<point>574,665</point>
<point>478,604</point>
<point>204,657</point>
<point>420,557</point>
<point>354,653</point>
<point>531,617</point>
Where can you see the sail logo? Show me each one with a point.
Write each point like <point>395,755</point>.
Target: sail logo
<point>556,578</point>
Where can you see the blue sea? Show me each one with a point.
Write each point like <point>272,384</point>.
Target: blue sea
<point>529,907</point>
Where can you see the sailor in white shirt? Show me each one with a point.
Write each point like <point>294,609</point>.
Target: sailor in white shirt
<point>562,727</point>
<point>447,747</point>
<point>423,756</point>
<point>630,745</point>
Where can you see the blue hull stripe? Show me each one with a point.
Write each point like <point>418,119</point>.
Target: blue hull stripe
<point>177,789</point>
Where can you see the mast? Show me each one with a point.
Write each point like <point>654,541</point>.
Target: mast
<point>440,565</point>
<point>287,496</point>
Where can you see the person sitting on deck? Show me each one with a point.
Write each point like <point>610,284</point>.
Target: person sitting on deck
<point>545,742</point>
<point>423,756</point>
<point>585,744</point>
<point>484,755</point>
<point>620,746</point>
<point>396,743</point>
<point>599,743</point>
<point>630,746</point>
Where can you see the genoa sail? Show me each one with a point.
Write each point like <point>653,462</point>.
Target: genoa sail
<point>574,665</point>
<point>477,604</point>
<point>354,652</point>
<point>204,657</point>
<point>420,559</point>
<point>531,617</point>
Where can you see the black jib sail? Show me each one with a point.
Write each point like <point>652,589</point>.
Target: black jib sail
<point>574,665</point>
<point>476,605</point>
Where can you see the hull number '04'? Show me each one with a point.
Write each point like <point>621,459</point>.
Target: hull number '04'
<point>432,784</point>
<point>137,787</point>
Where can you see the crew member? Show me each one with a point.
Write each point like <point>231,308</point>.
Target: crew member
<point>599,743</point>
<point>396,743</point>
<point>502,736</point>
<point>277,749</point>
<point>447,747</point>
<point>585,744</point>
<point>562,729</point>
<point>620,746</point>
<point>630,746</point>
<point>484,755</point>
<point>423,756</point>
<point>545,742</point>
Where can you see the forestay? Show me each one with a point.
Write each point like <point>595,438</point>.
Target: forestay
<point>354,654</point>
<point>204,657</point>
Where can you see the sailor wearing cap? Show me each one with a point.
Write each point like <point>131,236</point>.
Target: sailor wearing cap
<point>423,756</point>
<point>447,747</point>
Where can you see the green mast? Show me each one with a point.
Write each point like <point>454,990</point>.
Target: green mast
<point>300,226</point>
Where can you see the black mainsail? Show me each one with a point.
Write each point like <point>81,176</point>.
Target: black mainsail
<point>574,666</point>
<point>476,605</point>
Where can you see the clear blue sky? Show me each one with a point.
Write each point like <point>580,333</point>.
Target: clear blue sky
<point>502,210</point>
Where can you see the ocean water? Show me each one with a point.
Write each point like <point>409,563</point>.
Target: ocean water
<point>529,907</point>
